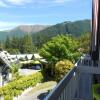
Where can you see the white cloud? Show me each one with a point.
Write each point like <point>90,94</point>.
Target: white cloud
<point>32,3</point>
<point>2,4</point>
<point>23,2</point>
<point>19,2</point>
<point>61,1</point>
<point>10,25</point>
<point>6,25</point>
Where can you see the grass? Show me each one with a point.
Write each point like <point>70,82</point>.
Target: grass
<point>95,95</point>
<point>45,85</point>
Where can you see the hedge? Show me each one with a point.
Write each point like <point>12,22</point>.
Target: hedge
<point>16,87</point>
<point>95,94</point>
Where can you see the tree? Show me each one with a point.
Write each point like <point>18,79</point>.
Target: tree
<point>59,48</point>
<point>27,44</point>
<point>8,42</point>
<point>84,43</point>
<point>1,45</point>
<point>16,45</point>
<point>15,42</point>
<point>13,51</point>
<point>11,45</point>
<point>61,68</point>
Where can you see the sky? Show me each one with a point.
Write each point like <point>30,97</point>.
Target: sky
<point>44,12</point>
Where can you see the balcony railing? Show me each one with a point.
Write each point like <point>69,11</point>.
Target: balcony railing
<point>76,85</point>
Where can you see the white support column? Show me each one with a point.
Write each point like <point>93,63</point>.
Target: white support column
<point>1,80</point>
<point>10,76</point>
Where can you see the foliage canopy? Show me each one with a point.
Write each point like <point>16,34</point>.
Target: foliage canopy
<point>59,48</point>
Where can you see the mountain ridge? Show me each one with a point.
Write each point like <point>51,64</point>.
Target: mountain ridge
<point>75,28</point>
<point>21,30</point>
<point>32,28</point>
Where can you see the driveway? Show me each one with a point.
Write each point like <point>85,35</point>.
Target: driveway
<point>27,71</point>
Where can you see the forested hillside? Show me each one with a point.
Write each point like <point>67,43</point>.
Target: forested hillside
<point>45,31</point>
<point>21,31</point>
<point>76,29</point>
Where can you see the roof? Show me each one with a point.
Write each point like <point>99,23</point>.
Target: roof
<point>29,56</point>
<point>37,56</point>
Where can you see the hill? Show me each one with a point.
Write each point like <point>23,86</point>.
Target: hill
<point>21,30</point>
<point>76,29</point>
<point>44,32</point>
<point>32,28</point>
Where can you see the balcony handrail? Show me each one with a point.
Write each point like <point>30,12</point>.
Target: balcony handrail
<point>74,85</point>
<point>55,93</point>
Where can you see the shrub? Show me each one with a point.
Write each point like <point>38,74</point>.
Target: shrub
<point>14,70</point>
<point>8,97</point>
<point>61,68</point>
<point>15,67</point>
<point>16,87</point>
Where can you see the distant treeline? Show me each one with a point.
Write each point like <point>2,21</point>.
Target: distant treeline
<point>18,45</point>
<point>27,44</point>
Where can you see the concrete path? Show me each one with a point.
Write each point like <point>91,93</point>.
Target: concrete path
<point>39,95</point>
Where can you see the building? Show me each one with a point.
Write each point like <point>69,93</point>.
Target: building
<point>4,67</point>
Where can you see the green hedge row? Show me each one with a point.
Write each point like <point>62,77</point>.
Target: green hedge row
<point>16,87</point>
<point>95,94</point>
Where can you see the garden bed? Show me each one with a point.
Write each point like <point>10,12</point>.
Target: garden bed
<point>16,87</point>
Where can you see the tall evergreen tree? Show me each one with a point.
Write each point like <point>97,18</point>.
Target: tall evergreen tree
<point>27,44</point>
<point>8,42</point>
<point>1,45</point>
<point>15,42</point>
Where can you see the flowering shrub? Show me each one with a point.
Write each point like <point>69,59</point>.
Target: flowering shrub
<point>62,68</point>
